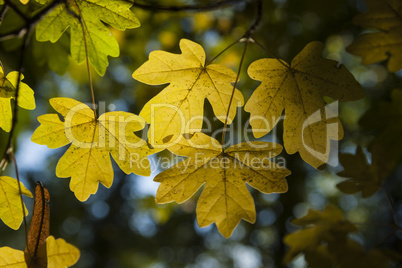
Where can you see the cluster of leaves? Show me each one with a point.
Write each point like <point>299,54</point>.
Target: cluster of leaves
<point>301,90</point>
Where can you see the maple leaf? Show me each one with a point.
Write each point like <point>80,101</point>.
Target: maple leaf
<point>11,212</point>
<point>87,160</point>
<point>364,177</point>
<point>93,33</point>
<point>321,226</point>
<point>225,199</point>
<point>386,120</point>
<point>8,86</point>
<point>376,47</point>
<point>386,16</point>
<point>60,254</point>
<point>299,89</point>
<point>178,108</point>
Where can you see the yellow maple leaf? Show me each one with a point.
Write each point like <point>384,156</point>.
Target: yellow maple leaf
<point>386,16</point>
<point>179,107</point>
<point>376,47</point>
<point>10,204</point>
<point>87,160</point>
<point>60,254</point>
<point>299,89</point>
<point>8,85</point>
<point>225,199</point>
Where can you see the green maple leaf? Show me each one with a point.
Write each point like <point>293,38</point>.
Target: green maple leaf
<point>92,32</point>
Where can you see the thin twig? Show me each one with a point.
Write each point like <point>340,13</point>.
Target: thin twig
<point>160,8</point>
<point>29,22</point>
<point>11,153</point>
<point>247,37</point>
<point>223,51</point>
<point>16,9</point>
<point>17,89</point>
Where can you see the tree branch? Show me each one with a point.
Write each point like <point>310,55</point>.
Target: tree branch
<point>157,8</point>
<point>29,22</point>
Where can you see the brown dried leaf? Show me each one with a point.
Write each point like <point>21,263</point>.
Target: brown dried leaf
<point>39,230</point>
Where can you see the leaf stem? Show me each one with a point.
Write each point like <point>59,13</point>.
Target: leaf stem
<point>11,153</point>
<point>271,53</point>
<point>233,92</point>
<point>223,51</point>
<point>247,39</point>
<point>91,87</point>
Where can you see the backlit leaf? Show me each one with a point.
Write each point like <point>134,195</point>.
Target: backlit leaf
<point>10,204</point>
<point>179,107</point>
<point>60,254</point>
<point>386,16</point>
<point>8,85</point>
<point>376,47</point>
<point>12,258</point>
<point>225,199</point>
<point>93,31</point>
<point>299,88</point>
<point>87,160</point>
